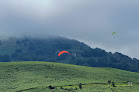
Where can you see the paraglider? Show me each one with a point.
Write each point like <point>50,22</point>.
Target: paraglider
<point>63,52</point>
<point>114,33</point>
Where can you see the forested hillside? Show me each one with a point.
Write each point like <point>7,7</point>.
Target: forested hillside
<point>40,49</point>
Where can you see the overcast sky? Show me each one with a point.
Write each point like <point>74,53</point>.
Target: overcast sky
<point>90,21</point>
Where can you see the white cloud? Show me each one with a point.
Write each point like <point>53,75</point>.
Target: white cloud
<point>89,21</point>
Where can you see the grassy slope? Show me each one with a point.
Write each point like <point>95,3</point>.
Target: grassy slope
<point>23,75</point>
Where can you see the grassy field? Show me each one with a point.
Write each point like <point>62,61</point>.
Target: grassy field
<point>37,76</point>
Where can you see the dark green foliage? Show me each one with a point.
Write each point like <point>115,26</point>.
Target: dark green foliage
<point>5,58</point>
<point>17,69</point>
<point>80,86</point>
<point>50,87</point>
<point>93,53</point>
<point>109,82</point>
<point>18,51</point>
<point>113,84</point>
<point>13,56</point>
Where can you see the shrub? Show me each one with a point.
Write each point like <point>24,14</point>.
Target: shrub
<point>50,87</point>
<point>109,82</point>
<point>113,84</point>
<point>80,86</point>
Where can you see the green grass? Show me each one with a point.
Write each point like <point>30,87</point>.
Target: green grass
<point>16,76</point>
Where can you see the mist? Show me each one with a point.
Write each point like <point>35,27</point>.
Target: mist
<point>89,21</point>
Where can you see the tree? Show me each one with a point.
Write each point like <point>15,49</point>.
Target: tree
<point>113,84</point>
<point>80,86</point>
<point>109,82</point>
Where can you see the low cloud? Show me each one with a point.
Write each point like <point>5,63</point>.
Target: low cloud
<point>90,21</point>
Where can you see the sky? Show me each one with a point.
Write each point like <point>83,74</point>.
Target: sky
<point>89,21</point>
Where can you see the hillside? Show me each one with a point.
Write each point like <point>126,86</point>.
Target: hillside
<point>41,49</point>
<point>37,76</point>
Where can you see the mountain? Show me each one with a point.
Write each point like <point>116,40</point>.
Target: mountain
<point>38,76</point>
<point>41,49</point>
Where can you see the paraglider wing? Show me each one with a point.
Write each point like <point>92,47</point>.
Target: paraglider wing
<point>114,33</point>
<point>63,52</point>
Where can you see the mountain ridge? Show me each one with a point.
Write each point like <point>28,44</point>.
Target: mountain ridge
<point>41,49</point>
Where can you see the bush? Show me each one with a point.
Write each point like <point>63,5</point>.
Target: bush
<point>109,82</point>
<point>80,86</point>
<point>113,84</point>
<point>50,87</point>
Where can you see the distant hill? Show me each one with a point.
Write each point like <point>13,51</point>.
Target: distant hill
<point>38,76</point>
<point>40,49</point>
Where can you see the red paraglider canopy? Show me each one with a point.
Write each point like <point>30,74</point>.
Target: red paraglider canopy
<point>63,52</point>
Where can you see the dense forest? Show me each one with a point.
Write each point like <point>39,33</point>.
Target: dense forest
<point>41,49</point>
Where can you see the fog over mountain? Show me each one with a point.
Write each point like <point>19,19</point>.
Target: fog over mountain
<point>89,21</point>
